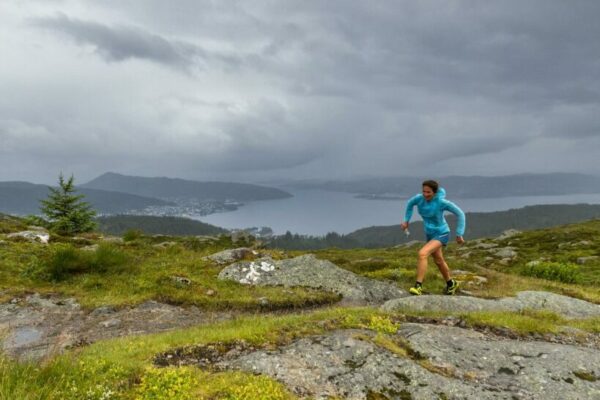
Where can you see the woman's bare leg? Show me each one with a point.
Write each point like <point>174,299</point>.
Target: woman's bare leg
<point>438,257</point>
<point>429,248</point>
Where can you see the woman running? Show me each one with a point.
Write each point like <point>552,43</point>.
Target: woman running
<point>431,205</point>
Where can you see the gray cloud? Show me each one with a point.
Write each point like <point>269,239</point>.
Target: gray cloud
<point>119,43</point>
<point>300,88</point>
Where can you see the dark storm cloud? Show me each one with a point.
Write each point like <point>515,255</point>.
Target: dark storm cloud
<point>302,87</point>
<point>118,43</point>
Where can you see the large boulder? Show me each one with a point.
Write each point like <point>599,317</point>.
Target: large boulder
<point>532,300</point>
<point>309,271</point>
<point>38,236</point>
<point>440,362</point>
<point>230,255</point>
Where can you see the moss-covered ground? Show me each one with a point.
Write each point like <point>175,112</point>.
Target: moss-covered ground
<point>137,270</point>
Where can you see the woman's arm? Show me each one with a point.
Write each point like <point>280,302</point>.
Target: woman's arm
<point>409,207</point>
<point>454,209</point>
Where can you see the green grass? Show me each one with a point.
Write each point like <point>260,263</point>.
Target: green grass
<point>128,273</point>
<point>123,365</point>
<point>136,271</point>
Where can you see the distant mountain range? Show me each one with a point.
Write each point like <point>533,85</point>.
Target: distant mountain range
<point>119,224</point>
<point>23,198</point>
<point>462,186</point>
<point>113,193</point>
<point>478,225</point>
<point>172,188</point>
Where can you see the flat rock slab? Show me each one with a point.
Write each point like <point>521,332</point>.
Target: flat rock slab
<point>509,369</point>
<point>309,271</point>
<point>348,364</point>
<point>37,327</point>
<point>532,300</point>
<point>231,255</point>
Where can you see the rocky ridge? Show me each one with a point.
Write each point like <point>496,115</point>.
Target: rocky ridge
<point>309,271</point>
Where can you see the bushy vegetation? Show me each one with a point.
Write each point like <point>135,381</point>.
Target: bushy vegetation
<point>167,384</point>
<point>66,261</point>
<point>554,271</point>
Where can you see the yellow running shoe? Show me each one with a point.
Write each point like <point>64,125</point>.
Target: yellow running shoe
<point>417,290</point>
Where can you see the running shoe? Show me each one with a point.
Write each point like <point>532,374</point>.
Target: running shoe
<point>450,290</point>
<point>417,290</point>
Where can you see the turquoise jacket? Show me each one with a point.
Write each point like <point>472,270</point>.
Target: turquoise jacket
<point>432,213</point>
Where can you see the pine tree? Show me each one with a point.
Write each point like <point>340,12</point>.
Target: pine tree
<point>65,211</point>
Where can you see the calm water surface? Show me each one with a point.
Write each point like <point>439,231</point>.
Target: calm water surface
<point>316,212</point>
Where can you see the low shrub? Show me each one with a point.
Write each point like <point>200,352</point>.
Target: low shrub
<point>167,384</point>
<point>382,325</point>
<point>108,258</point>
<point>67,260</point>
<point>132,234</point>
<point>259,387</point>
<point>553,271</point>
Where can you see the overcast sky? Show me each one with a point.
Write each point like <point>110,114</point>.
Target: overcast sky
<point>257,90</point>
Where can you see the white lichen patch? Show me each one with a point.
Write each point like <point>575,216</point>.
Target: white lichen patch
<point>253,271</point>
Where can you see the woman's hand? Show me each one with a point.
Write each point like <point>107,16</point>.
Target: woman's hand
<point>404,226</point>
<point>460,240</point>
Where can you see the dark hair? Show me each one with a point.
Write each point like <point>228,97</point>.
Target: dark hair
<point>432,184</point>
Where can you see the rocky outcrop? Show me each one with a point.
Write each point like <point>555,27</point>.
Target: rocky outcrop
<point>38,236</point>
<point>528,300</point>
<point>309,271</point>
<point>36,327</point>
<point>508,234</point>
<point>585,260</point>
<point>438,363</point>
<point>231,255</point>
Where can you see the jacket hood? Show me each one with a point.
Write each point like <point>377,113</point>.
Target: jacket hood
<point>441,193</point>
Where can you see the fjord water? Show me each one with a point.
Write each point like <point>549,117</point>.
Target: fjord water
<point>316,212</point>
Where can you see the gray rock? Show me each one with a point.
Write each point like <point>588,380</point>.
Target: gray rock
<point>230,255</point>
<point>181,280</point>
<point>508,234</point>
<point>511,368</point>
<point>564,305</point>
<point>110,323</point>
<point>505,252</point>
<point>37,328</point>
<point>92,247</point>
<point>584,260</point>
<point>81,240</point>
<point>308,271</point>
<point>263,301</point>
<point>164,245</point>
<point>104,310</point>
<point>113,239</point>
<point>32,236</point>
<point>241,236</point>
<point>346,364</point>
<point>486,246</point>
<point>447,362</point>
<point>41,302</point>
<point>533,263</point>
